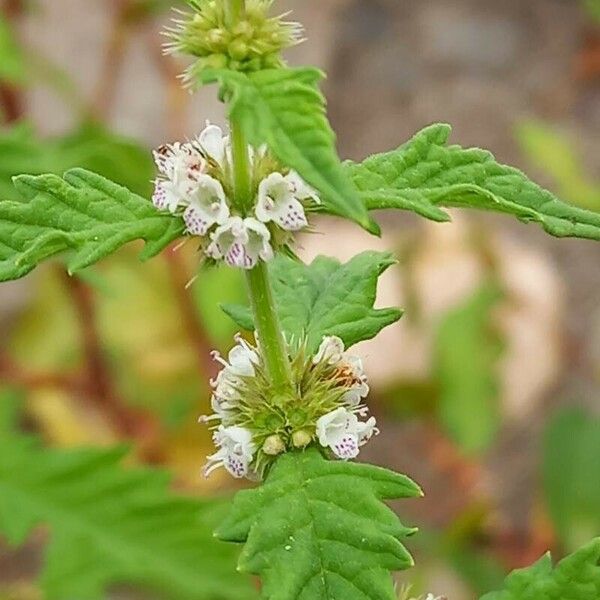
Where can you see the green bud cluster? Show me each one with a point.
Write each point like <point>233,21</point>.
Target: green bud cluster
<point>252,44</point>
<point>280,423</point>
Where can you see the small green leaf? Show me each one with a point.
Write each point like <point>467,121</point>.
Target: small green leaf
<point>285,109</point>
<point>570,475</point>
<point>109,524</point>
<point>466,350</point>
<point>576,577</point>
<point>326,298</point>
<point>317,529</point>
<point>81,212</point>
<point>425,174</point>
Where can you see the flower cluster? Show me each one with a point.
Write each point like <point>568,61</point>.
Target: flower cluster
<point>254,424</point>
<point>253,43</point>
<point>195,182</point>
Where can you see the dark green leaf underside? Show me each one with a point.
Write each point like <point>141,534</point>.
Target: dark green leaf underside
<point>326,298</point>
<point>425,174</point>
<point>317,529</point>
<point>81,212</point>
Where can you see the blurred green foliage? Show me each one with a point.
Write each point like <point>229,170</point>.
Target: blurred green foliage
<point>110,524</point>
<point>593,9</point>
<point>466,351</point>
<point>571,475</point>
<point>90,146</point>
<point>555,154</point>
<point>12,60</point>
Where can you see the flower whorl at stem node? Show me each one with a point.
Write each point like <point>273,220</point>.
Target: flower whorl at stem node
<point>256,423</point>
<point>195,182</point>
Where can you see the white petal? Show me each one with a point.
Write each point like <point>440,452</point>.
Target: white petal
<point>237,256</point>
<point>165,196</point>
<point>290,216</point>
<point>236,465</point>
<point>207,206</point>
<point>331,426</point>
<point>163,157</point>
<point>239,435</point>
<point>331,350</point>
<point>214,143</point>
<point>276,202</point>
<point>301,189</point>
<point>242,360</point>
<point>258,245</point>
<point>365,431</point>
<point>347,447</point>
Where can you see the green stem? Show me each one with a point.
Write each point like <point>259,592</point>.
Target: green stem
<point>268,328</point>
<point>241,167</point>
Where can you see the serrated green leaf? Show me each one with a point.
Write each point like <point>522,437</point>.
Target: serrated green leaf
<point>285,109</point>
<point>425,174</point>
<point>466,350</point>
<point>570,475</point>
<point>317,529</point>
<point>326,298</point>
<point>110,525</point>
<point>576,577</point>
<point>82,212</point>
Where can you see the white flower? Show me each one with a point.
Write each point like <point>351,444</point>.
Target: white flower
<point>181,166</point>
<point>207,206</point>
<point>301,189</point>
<point>214,144</point>
<point>353,372</point>
<point>242,358</point>
<point>330,351</point>
<point>278,201</point>
<point>241,242</point>
<point>228,384</point>
<point>179,162</point>
<point>235,452</point>
<point>341,431</point>
<point>349,369</point>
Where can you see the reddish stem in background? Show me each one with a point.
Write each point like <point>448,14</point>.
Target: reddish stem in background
<point>12,100</point>
<point>177,98</point>
<point>99,384</point>
<point>112,61</point>
<point>193,327</point>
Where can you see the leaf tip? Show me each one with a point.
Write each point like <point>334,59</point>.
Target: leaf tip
<point>370,225</point>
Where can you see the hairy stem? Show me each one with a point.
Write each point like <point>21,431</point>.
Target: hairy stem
<point>268,329</point>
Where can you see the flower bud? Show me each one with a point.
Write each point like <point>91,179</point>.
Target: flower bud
<point>238,49</point>
<point>301,438</point>
<point>273,445</point>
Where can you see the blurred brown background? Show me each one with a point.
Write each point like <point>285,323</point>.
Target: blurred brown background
<point>489,68</point>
